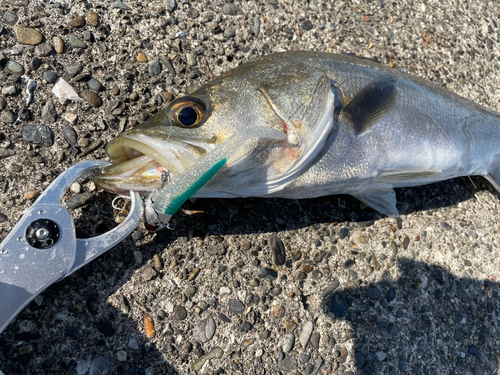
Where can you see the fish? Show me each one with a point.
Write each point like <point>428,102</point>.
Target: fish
<point>348,126</point>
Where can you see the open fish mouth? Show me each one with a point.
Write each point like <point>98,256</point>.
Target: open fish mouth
<point>141,161</point>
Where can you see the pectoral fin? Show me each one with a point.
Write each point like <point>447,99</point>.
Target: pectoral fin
<point>383,201</point>
<point>371,103</point>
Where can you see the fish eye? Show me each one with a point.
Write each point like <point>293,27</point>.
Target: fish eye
<point>187,116</point>
<point>187,112</point>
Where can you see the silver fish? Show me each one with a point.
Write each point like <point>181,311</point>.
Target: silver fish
<point>350,127</point>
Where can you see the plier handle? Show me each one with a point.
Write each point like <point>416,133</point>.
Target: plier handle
<point>43,249</point>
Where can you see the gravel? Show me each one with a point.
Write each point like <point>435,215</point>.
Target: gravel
<point>417,294</point>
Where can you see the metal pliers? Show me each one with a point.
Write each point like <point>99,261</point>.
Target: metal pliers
<point>43,248</point>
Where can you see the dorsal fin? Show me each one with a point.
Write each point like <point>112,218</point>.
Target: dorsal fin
<point>371,103</point>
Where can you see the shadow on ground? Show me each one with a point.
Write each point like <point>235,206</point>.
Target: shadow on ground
<point>432,322</point>
<point>427,321</point>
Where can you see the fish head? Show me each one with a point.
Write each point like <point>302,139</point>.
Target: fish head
<point>297,103</point>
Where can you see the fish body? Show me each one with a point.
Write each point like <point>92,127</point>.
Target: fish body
<point>350,126</point>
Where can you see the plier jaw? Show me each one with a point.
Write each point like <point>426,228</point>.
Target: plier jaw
<point>43,248</point>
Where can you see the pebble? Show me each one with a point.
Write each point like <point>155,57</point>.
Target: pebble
<point>31,194</point>
<point>359,358</point>
<point>381,356</point>
<point>58,44</point>
<point>35,63</point>
<point>256,25</point>
<point>8,116</point>
<point>120,5</point>
<point>305,335</point>
<point>229,33</point>
<point>29,36</point>
<point>180,312</point>
<point>100,366</point>
<point>278,250</point>
<point>50,76</point>
<point>77,22</point>
<point>38,134</point>
<point>92,98</point>
<point>148,273</point>
<point>3,104</point>
<point>70,135</point>
<point>76,42</point>
<point>3,218</point>
<point>259,353</point>
<point>154,68</point>
<point>337,306</point>
<point>204,330</point>
<point>306,25</point>
<point>374,293</point>
<point>76,188</point>
<point>214,353</point>
<point>245,326</point>
<point>94,84</point>
<point>14,68</point>
<point>315,337</point>
<point>191,59</point>
<point>288,342</point>
<point>304,358</point>
<point>84,143</point>
<point>230,9</point>
<point>236,306</point>
<point>317,365</point>
<point>92,18</point>
<point>268,273</point>
<point>475,351</point>
<point>288,364</point>
<point>170,5</point>
<point>138,257</point>
<point>192,13</point>
<point>49,112</point>
<point>121,356</point>
<point>142,57</point>
<point>391,294</point>
<point>10,18</point>
<point>73,69</point>
<point>343,233</point>
<point>79,200</point>
<point>132,344</point>
<point>158,264</point>
<point>278,312</point>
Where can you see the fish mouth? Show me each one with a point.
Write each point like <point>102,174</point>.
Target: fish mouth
<point>140,162</point>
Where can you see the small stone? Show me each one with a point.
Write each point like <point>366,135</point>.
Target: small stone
<point>475,351</point>
<point>359,358</point>
<point>180,312</point>
<point>92,18</point>
<point>132,344</point>
<point>154,68</point>
<point>256,25</point>
<point>29,36</point>
<point>70,135</point>
<point>236,306</point>
<point>391,294</point>
<point>214,353</point>
<point>100,366</point>
<point>170,5</point>
<point>92,98</point>
<point>229,33</point>
<point>49,112</point>
<point>230,9</point>
<point>315,337</point>
<point>80,200</point>
<point>76,188</point>
<point>373,293</point>
<point>268,273</point>
<point>35,63</point>
<point>3,104</point>
<point>38,134</point>
<point>193,274</point>
<point>306,25</point>
<point>76,42</point>
<point>84,143</point>
<point>70,117</point>
<point>191,59</point>
<point>381,356</point>
<point>3,218</point>
<point>192,13</point>
<point>31,194</point>
<point>288,342</point>
<point>50,76</point>
<point>120,5</point>
<point>94,84</point>
<point>317,365</point>
<point>10,18</point>
<point>148,273</point>
<point>190,290</point>
<point>8,116</point>
<point>278,312</point>
<point>73,69</point>
<point>142,58</point>
<point>304,358</point>
<point>77,22</point>
<point>149,327</point>
<point>138,257</point>
<point>288,364</point>
<point>58,44</point>
<point>158,264</point>
<point>121,356</point>
<point>14,68</point>
<point>306,333</point>
<point>245,326</point>
<point>278,250</point>
<point>204,330</point>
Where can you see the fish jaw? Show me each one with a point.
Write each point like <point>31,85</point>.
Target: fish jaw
<point>142,161</point>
